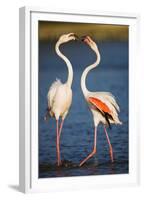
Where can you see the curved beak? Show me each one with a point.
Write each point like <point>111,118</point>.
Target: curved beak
<point>83,37</point>
<point>76,37</point>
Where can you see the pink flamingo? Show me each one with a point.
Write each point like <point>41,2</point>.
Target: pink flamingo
<point>59,96</point>
<point>102,104</point>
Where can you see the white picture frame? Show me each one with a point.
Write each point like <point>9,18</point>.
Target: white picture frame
<point>29,181</point>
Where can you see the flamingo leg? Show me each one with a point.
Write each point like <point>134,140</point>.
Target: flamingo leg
<point>57,143</point>
<point>109,143</point>
<point>61,126</point>
<point>94,148</point>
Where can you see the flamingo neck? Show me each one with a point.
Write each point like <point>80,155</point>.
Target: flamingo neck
<point>86,71</point>
<point>68,63</point>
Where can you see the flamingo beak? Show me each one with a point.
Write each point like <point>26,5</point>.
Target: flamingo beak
<point>76,37</point>
<point>83,38</point>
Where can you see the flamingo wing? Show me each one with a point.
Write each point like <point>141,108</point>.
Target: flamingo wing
<point>52,92</point>
<point>100,105</point>
<point>109,98</point>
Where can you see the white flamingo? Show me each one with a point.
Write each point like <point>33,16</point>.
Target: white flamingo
<point>102,104</point>
<point>59,96</point>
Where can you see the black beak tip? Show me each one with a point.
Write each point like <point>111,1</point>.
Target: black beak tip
<point>83,38</point>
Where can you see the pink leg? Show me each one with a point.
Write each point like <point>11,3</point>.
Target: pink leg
<point>57,144</point>
<point>60,129</point>
<point>110,146</point>
<point>94,148</point>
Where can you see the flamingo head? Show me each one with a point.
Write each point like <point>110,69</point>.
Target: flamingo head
<point>87,39</point>
<point>68,37</point>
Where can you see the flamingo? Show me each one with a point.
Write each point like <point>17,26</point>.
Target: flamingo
<point>59,97</point>
<point>102,104</point>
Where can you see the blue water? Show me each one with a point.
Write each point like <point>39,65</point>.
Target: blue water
<point>77,134</point>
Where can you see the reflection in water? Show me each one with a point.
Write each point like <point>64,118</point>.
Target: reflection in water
<point>77,135</point>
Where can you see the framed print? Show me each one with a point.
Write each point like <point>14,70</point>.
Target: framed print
<point>78,100</point>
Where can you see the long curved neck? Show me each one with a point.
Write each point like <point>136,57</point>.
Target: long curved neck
<point>86,71</point>
<point>69,65</point>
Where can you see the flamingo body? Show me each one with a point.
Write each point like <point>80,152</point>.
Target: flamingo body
<point>59,99</point>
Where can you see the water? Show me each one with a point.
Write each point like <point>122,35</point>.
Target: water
<point>77,134</point>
